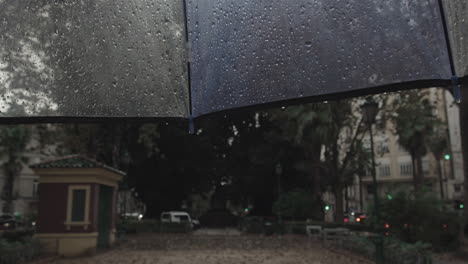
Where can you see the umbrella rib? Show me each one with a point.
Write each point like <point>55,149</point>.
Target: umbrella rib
<point>189,70</point>
<point>447,39</point>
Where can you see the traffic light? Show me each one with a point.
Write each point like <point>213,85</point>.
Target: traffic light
<point>447,156</point>
<point>459,205</point>
<point>389,196</point>
<point>327,207</point>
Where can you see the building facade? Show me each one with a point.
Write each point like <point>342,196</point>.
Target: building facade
<point>394,168</point>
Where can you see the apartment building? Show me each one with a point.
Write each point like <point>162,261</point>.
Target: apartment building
<point>394,168</point>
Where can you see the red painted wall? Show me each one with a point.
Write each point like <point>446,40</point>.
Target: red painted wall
<point>52,210</point>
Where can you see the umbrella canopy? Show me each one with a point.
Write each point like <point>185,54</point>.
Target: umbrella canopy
<point>174,58</point>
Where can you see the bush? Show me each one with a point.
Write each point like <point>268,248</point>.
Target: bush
<point>395,251</point>
<point>420,217</point>
<point>151,226</point>
<point>297,205</point>
<point>19,251</point>
<point>252,224</point>
<point>18,235</point>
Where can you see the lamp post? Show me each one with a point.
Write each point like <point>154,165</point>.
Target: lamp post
<point>279,171</point>
<point>370,109</point>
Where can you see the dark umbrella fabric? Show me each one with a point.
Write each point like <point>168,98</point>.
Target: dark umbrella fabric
<point>168,58</point>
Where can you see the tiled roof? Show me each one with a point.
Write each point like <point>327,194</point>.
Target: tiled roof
<point>73,161</point>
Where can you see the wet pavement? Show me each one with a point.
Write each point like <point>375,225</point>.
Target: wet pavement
<point>220,246</point>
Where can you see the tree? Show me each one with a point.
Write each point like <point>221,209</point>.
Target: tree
<point>334,128</point>
<point>438,145</point>
<point>297,205</point>
<point>13,143</point>
<point>419,216</point>
<point>345,155</point>
<point>305,126</point>
<point>415,123</point>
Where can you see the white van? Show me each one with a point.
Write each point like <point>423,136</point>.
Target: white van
<point>178,217</point>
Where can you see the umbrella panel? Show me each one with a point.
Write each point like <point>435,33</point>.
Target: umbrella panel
<point>93,59</point>
<point>456,13</point>
<point>247,53</point>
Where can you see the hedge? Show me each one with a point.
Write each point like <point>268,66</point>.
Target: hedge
<point>151,226</point>
<point>258,225</point>
<point>19,251</point>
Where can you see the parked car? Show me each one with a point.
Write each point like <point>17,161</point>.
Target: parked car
<point>179,217</point>
<point>358,217</point>
<point>7,222</point>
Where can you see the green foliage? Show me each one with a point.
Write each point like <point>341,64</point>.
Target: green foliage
<point>419,130</point>
<point>420,216</point>
<point>395,251</point>
<point>19,235</point>
<point>19,251</point>
<point>252,224</point>
<point>297,204</point>
<point>415,121</point>
<point>13,143</point>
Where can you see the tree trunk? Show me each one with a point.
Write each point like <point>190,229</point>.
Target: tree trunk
<point>419,172</point>
<point>339,203</point>
<point>8,194</point>
<point>416,184</point>
<point>464,139</point>
<point>361,198</point>
<point>9,169</point>
<point>314,157</point>
<point>441,181</point>
<point>117,137</point>
<point>346,199</point>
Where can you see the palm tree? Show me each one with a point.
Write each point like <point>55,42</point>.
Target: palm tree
<point>438,146</point>
<point>415,124</point>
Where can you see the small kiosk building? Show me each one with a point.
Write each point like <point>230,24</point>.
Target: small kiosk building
<point>77,205</point>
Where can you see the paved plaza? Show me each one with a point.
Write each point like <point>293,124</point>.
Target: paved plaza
<point>215,248</point>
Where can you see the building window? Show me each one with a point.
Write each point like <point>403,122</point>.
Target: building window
<point>425,166</point>
<point>406,169</point>
<point>384,170</point>
<point>78,206</point>
<point>382,147</point>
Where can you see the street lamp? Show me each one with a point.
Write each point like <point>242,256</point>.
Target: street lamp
<point>370,109</point>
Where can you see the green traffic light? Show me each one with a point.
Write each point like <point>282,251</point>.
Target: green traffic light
<point>389,197</point>
<point>327,207</point>
<point>461,206</point>
<point>447,157</point>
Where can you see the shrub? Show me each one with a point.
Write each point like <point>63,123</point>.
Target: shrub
<point>395,251</point>
<point>19,251</point>
<point>18,235</point>
<point>252,224</point>
<point>151,226</point>
<point>297,205</point>
<point>420,217</point>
